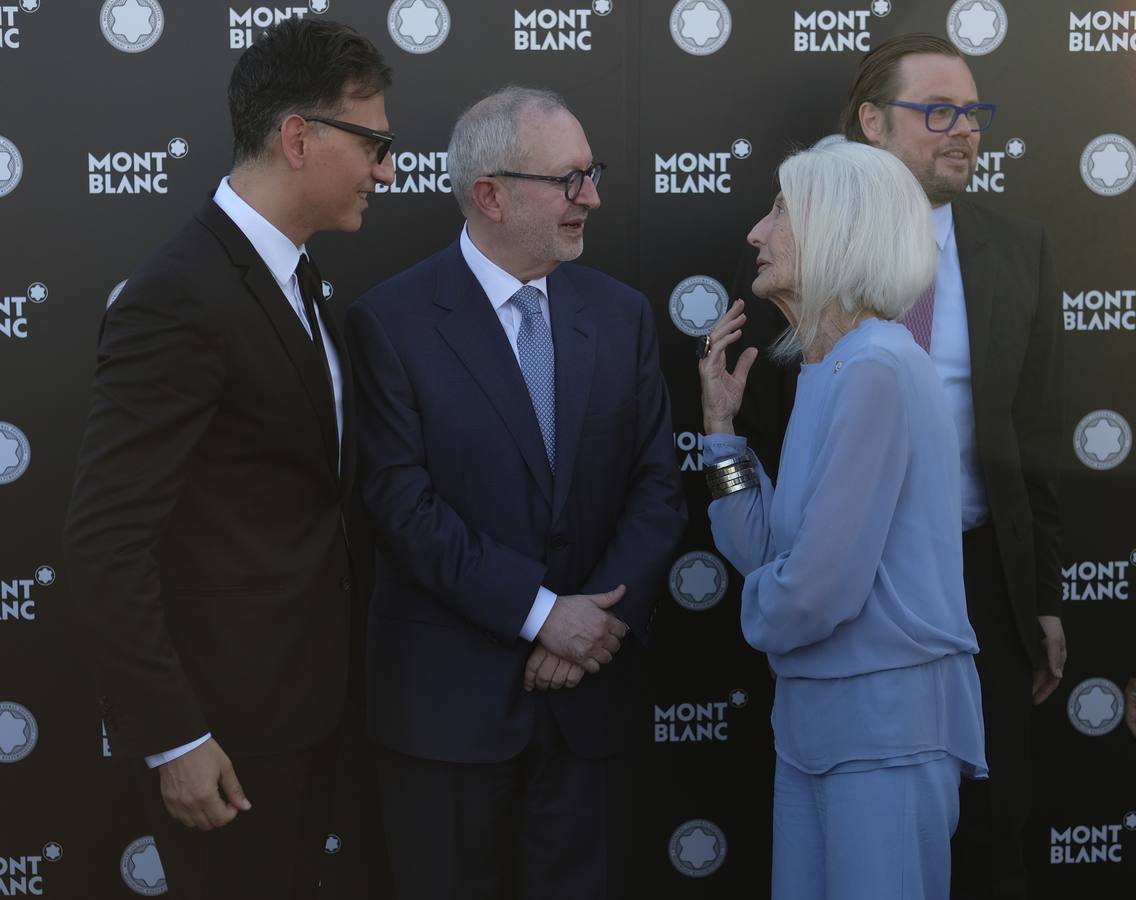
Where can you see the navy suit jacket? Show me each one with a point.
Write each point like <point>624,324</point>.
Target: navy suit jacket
<point>470,522</point>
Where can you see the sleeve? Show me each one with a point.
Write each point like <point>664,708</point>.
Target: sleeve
<point>157,385</point>
<point>850,491</point>
<point>739,522</point>
<point>480,579</point>
<point>1037,414</point>
<point>653,518</point>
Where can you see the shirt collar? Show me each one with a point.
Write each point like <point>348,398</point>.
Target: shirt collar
<point>270,244</point>
<point>498,284</point>
<point>943,221</point>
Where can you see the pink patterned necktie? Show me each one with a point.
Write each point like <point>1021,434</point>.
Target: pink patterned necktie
<point>918,319</point>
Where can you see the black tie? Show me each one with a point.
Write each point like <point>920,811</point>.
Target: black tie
<point>311,287</point>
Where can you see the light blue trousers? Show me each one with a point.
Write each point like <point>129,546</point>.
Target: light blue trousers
<point>878,835</point>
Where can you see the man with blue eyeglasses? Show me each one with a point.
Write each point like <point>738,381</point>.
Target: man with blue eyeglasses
<point>990,325</point>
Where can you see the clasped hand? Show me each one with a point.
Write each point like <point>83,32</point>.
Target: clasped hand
<point>579,636</point>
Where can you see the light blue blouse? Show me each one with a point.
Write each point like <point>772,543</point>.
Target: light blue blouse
<point>853,566</point>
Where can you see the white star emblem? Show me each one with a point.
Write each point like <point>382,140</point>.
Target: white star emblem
<point>741,148</point>
<point>132,20</point>
<point>318,6</point>
<point>146,866</point>
<point>1016,148</point>
<point>977,24</point>
<point>601,7</point>
<point>178,148</point>
<point>418,22</point>
<point>701,24</point>
<point>698,848</point>
<point>327,289</point>
<point>13,732</point>
<point>1110,165</point>
<point>29,5</point>
<point>5,165</point>
<point>1102,439</point>
<point>698,580</point>
<point>699,306</point>
<point>1096,706</point>
<point>9,453</point>
<point>52,851</point>
<point>881,7</point>
<point>45,575</point>
<point>738,698</point>
<point>1130,821</point>
<point>332,844</point>
<point>37,292</point>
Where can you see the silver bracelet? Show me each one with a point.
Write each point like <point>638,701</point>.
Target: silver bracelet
<point>730,475</point>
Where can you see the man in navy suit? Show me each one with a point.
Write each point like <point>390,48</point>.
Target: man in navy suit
<point>517,463</point>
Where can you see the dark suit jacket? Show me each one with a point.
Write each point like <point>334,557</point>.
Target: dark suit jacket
<point>205,536</point>
<point>1013,310</point>
<point>469,520</point>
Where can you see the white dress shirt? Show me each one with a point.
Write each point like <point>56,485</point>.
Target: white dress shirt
<point>499,286</point>
<point>281,256</point>
<point>950,352</point>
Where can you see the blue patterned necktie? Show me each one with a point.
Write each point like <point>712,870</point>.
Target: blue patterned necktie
<point>538,365</point>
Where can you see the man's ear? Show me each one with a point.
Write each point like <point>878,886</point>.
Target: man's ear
<point>295,136</point>
<point>873,122</point>
<point>490,197</point>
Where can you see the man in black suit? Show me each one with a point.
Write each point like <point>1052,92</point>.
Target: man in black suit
<point>991,327</point>
<point>517,462</point>
<point>206,533</point>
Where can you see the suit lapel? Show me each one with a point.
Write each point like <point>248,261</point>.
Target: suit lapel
<point>474,333</point>
<point>979,276</point>
<point>291,333</point>
<point>573,336</point>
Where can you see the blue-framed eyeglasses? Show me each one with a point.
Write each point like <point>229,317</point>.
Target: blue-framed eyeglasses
<point>943,116</point>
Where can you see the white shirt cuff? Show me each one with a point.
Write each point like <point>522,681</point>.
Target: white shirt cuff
<point>160,759</point>
<point>541,607</point>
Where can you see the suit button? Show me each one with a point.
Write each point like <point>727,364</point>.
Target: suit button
<point>558,542</point>
<point>345,584</point>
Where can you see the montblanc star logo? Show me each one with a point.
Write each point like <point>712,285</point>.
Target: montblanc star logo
<point>738,698</point>
<point>741,148</point>
<point>699,306</point>
<point>602,7</point>
<point>327,289</point>
<point>1110,165</point>
<point>418,22</point>
<point>45,575</point>
<point>179,148</point>
<point>141,867</point>
<point>977,27</point>
<point>697,848</point>
<point>1130,820</point>
<point>1015,148</point>
<point>1103,439</point>
<point>701,24</point>
<point>37,292</point>
<point>52,851</point>
<point>332,844</point>
<point>1096,706</point>
<point>5,165</point>
<point>132,20</point>
<point>9,452</point>
<point>977,23</point>
<point>29,6</point>
<point>13,732</point>
<point>881,7</point>
<point>319,7</point>
<point>698,580</point>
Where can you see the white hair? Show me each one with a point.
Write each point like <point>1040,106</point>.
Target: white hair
<point>862,226</point>
<point>486,139</point>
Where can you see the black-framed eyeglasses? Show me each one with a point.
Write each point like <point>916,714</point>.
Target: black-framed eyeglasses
<point>573,182</point>
<point>943,116</point>
<point>382,139</point>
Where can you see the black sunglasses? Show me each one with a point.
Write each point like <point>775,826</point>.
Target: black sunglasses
<point>383,139</point>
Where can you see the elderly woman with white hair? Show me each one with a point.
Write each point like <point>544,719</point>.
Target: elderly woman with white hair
<point>853,564</point>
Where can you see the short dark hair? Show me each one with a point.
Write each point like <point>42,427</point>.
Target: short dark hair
<point>877,77</point>
<point>300,66</point>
